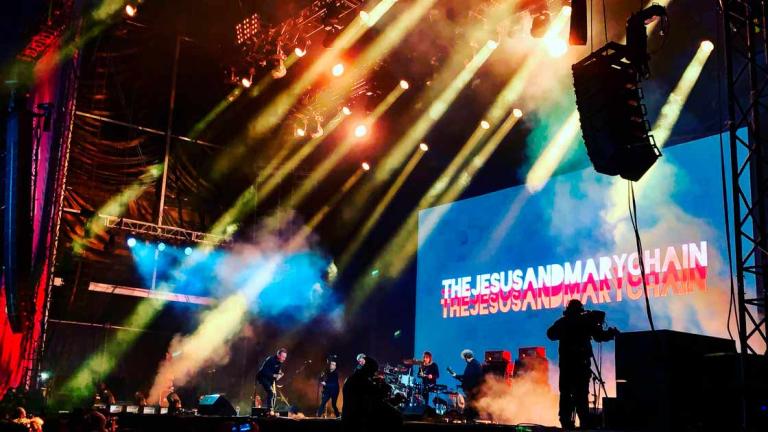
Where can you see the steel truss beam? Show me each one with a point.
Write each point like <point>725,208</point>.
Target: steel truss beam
<point>160,231</point>
<point>746,51</point>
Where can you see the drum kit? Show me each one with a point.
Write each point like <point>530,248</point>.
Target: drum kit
<point>409,393</point>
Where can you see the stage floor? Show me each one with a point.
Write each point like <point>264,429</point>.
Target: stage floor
<point>283,424</point>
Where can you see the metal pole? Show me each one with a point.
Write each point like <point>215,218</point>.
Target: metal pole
<point>168,136</point>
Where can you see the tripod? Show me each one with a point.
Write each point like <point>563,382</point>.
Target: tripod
<point>598,384</point>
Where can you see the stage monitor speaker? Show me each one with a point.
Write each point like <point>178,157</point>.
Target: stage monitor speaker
<point>417,412</point>
<point>215,405</point>
<point>667,373</point>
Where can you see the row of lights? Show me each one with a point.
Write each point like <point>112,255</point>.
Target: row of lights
<point>161,246</point>
<point>359,131</point>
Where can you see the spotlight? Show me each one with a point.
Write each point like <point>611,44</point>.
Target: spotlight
<point>338,69</point>
<point>404,84</point>
<point>361,130</point>
<point>131,10</point>
<point>567,10</point>
<point>131,242</point>
<point>365,17</point>
<point>555,46</point>
<point>299,52</point>
<point>245,82</point>
<point>44,375</point>
<point>346,111</point>
<point>707,45</point>
<point>540,23</point>
<point>517,113</point>
<point>485,125</point>
<point>423,146</point>
<point>187,251</point>
<point>279,71</point>
<point>300,132</point>
<point>365,166</point>
<point>161,246</point>
<point>493,44</point>
<point>318,132</point>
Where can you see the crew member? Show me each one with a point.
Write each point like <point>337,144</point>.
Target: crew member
<point>470,382</point>
<point>429,373</point>
<point>575,330</point>
<point>365,406</point>
<point>329,381</point>
<point>270,372</point>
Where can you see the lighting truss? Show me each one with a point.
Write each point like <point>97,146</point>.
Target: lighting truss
<point>160,231</point>
<point>261,42</point>
<point>746,47</point>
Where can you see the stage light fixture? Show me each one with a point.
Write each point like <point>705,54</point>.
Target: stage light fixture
<point>485,125</point>
<point>346,111</point>
<point>131,10</point>
<point>318,132</point>
<point>245,82</point>
<point>540,23</point>
<point>707,46</point>
<point>161,246</point>
<point>517,112</point>
<point>361,130</point>
<point>299,52</point>
<point>423,146</point>
<point>365,17</point>
<point>187,251</point>
<point>556,47</point>
<point>404,84</point>
<point>300,132</point>
<point>280,70</point>
<point>44,375</point>
<point>131,242</point>
<point>338,69</point>
<point>365,166</point>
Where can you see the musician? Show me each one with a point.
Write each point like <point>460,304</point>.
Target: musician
<point>471,380</point>
<point>575,330</point>
<point>329,380</point>
<point>104,395</point>
<point>174,402</point>
<point>360,361</point>
<point>270,372</point>
<point>429,373</point>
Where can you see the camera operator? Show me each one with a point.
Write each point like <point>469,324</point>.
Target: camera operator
<point>575,330</point>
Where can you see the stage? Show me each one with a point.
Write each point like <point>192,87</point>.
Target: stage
<point>135,422</point>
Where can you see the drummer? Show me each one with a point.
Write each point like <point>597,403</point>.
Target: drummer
<point>429,373</point>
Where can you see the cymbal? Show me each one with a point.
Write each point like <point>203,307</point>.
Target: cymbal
<point>413,362</point>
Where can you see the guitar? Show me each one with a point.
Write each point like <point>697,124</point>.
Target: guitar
<point>453,373</point>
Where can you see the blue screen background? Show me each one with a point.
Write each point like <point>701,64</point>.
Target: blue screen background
<point>574,216</point>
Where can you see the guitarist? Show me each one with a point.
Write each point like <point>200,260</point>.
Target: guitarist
<point>470,381</point>
<point>270,372</point>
